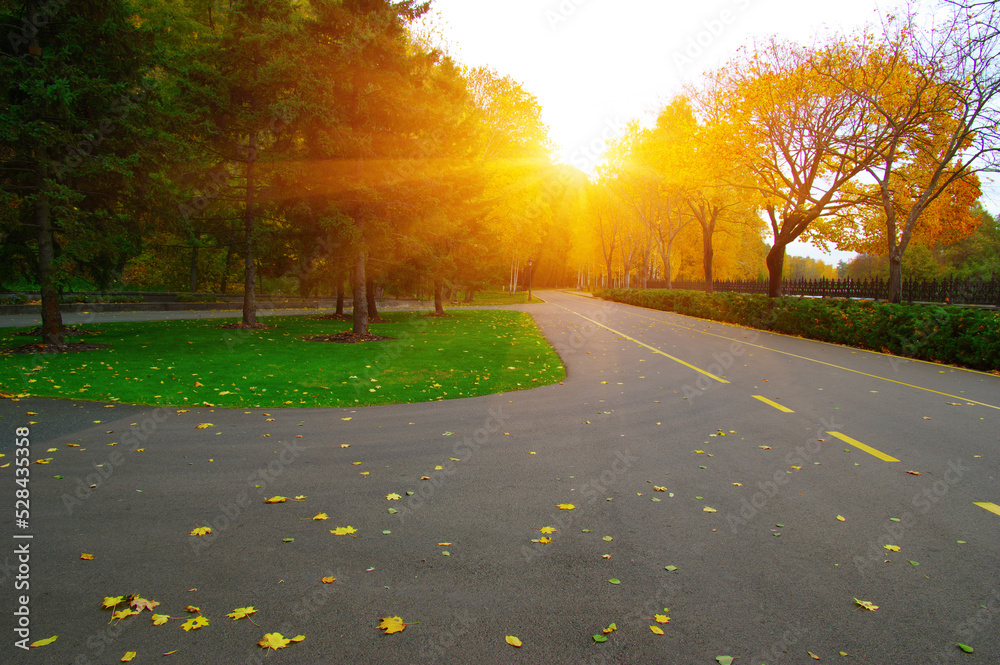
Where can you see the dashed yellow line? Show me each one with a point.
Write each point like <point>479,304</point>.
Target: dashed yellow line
<point>779,407</point>
<point>986,505</point>
<point>651,348</point>
<point>861,446</point>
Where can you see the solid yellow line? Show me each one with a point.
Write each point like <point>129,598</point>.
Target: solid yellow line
<point>653,349</point>
<point>821,362</point>
<point>868,449</point>
<point>779,407</point>
<point>992,507</point>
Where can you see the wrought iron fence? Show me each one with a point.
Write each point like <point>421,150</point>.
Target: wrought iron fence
<point>975,291</point>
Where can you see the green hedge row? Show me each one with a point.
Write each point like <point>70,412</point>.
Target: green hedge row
<point>962,336</point>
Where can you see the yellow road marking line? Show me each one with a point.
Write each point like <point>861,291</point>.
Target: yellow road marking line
<point>651,348</point>
<point>779,407</point>
<point>846,369</point>
<point>992,507</point>
<point>861,446</point>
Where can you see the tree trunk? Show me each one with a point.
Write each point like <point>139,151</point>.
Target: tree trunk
<point>370,297</point>
<point>52,326</point>
<point>249,283</point>
<point>358,297</point>
<point>439,297</point>
<point>340,295</point>
<point>775,263</point>
<point>708,254</point>
<point>469,293</point>
<point>895,276</point>
<point>194,269</point>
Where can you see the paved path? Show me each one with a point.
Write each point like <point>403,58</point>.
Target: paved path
<point>646,402</point>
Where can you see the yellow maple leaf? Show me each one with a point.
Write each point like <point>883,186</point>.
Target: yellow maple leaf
<point>344,531</point>
<point>204,426</point>
<point>328,580</point>
<point>129,655</point>
<point>661,618</point>
<point>274,641</point>
<point>658,488</point>
<point>797,468</point>
<point>111,601</point>
<point>867,605</point>
<point>565,506</point>
<point>241,613</point>
<point>121,614</point>
<point>160,619</point>
<point>513,641</point>
<point>140,603</point>
<point>192,609</point>
<point>393,497</point>
<point>41,643</point>
<point>321,516</point>
<point>194,623</point>
<point>200,531</point>
<point>276,499</point>
<point>88,557</point>
<point>544,540</point>
<point>392,625</point>
<point>547,529</point>
<point>891,548</point>
<point>656,629</point>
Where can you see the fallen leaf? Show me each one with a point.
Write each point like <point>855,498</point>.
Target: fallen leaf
<point>565,506</point>
<point>544,540</point>
<point>891,548</point>
<point>87,557</point>
<point>345,445</point>
<point>841,518</point>
<point>915,473</point>
<point>393,497</point>
<point>615,580</point>
<point>610,629</point>
<point>670,568</point>
<point>597,637</point>
<point>204,426</point>
<point>726,660</point>
<point>513,641</point>
<point>41,643</point>
<point>328,580</point>
<point>764,447</point>
<point>276,499</point>
<point>813,656</point>
<point>241,613</point>
<point>656,629</point>
<point>707,509</point>
<point>547,529</point>
<point>321,516</point>
<point>160,619</point>
<point>344,531</point>
<point>192,609</point>
<point>129,655</point>
<point>393,625</point>
<point>657,488</point>
<point>274,641</point>
<point>194,623</point>
<point>122,614</point>
<point>200,531</point>
<point>607,538</point>
<point>867,605</point>
<point>139,604</point>
<point>661,618</point>
<point>964,647</point>
<point>111,601</point>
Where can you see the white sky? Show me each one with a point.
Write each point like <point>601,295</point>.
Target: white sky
<point>596,64</point>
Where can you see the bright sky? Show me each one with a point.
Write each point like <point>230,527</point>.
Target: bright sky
<point>596,64</point>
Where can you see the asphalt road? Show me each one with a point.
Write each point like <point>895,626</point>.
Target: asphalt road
<point>771,575</point>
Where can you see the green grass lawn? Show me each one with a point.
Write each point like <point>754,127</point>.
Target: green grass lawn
<point>195,362</point>
<point>489,298</point>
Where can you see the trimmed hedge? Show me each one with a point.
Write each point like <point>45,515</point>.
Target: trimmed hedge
<point>967,337</point>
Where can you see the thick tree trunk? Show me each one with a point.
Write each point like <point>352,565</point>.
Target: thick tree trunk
<point>194,269</point>
<point>249,283</point>
<point>895,276</point>
<point>775,263</point>
<point>370,297</point>
<point>439,296</point>
<point>52,326</point>
<point>708,253</point>
<point>340,295</point>
<point>358,295</point>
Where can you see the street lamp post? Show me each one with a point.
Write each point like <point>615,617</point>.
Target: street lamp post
<point>529,280</point>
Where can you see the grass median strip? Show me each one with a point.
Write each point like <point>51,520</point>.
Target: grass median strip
<point>196,362</point>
